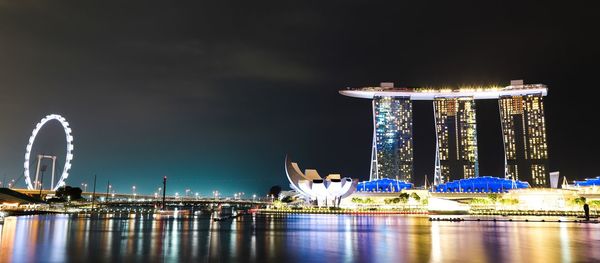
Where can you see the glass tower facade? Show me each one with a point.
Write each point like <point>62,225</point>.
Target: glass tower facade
<point>456,139</point>
<point>524,136</point>
<point>392,155</point>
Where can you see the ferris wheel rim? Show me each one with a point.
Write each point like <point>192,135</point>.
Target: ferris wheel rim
<point>69,156</point>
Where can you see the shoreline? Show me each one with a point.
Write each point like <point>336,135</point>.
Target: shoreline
<point>502,213</point>
<point>340,212</point>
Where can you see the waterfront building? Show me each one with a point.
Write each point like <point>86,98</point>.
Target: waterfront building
<point>524,136</point>
<point>589,187</point>
<point>544,199</point>
<point>392,153</point>
<point>456,139</point>
<point>326,191</point>
<point>522,119</point>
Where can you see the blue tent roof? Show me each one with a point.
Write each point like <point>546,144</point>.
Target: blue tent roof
<point>483,184</point>
<point>588,182</point>
<point>383,185</point>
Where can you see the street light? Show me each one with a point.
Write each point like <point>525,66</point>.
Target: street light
<point>133,190</point>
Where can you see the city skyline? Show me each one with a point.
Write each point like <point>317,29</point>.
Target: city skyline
<point>207,94</point>
<point>455,124</point>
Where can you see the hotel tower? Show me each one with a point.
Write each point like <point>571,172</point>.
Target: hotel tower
<point>524,136</point>
<point>521,116</point>
<point>456,139</point>
<point>392,154</point>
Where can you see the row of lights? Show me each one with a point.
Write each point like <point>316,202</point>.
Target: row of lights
<point>216,193</point>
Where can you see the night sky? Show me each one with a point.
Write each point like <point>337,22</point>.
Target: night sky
<point>214,94</point>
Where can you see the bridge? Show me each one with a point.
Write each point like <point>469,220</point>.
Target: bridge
<point>146,200</point>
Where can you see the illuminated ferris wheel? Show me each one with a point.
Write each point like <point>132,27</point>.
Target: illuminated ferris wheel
<point>68,158</point>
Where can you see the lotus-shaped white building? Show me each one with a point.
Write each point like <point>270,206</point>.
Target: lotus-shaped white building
<point>327,191</point>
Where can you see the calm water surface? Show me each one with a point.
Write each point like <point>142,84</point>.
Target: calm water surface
<point>292,238</point>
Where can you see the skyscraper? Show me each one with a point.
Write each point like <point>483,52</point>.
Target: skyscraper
<point>456,157</point>
<point>524,136</point>
<point>456,139</point>
<point>392,154</point>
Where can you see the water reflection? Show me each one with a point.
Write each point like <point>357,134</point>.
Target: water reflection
<point>295,238</point>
